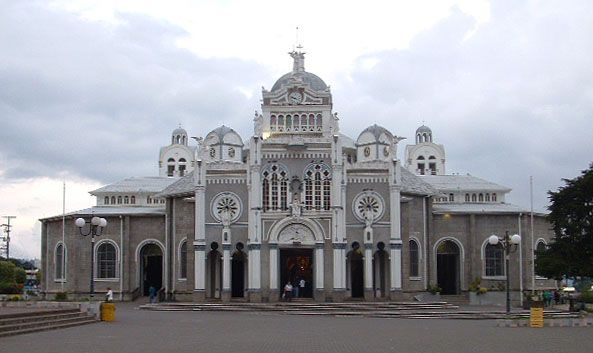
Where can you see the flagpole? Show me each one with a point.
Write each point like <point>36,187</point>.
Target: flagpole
<point>63,235</point>
<point>532,242</point>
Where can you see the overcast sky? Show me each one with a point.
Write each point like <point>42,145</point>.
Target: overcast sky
<point>90,90</point>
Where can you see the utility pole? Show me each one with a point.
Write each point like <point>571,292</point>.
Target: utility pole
<point>7,227</point>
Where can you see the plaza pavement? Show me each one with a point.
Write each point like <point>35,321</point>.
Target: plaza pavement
<point>148,331</point>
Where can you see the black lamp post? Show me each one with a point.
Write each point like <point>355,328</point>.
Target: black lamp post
<point>96,226</point>
<point>509,244</point>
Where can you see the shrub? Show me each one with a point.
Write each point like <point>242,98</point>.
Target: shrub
<point>587,297</point>
<point>61,296</point>
<point>434,289</point>
<point>9,288</point>
<point>474,286</point>
<point>482,290</point>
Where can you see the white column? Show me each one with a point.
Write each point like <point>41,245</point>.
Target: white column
<point>200,241</point>
<point>254,277</point>
<point>319,266</point>
<point>226,267</point>
<point>273,266</point>
<point>199,266</point>
<point>368,266</point>
<point>339,266</point>
<point>396,264</point>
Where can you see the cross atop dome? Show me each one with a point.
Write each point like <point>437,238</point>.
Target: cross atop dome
<point>299,60</point>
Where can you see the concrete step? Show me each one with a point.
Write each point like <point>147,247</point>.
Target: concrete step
<point>26,322</point>
<point>11,322</point>
<point>48,326</point>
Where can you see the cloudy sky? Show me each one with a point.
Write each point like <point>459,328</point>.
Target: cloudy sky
<point>89,90</point>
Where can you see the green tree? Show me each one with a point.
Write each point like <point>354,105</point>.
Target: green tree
<point>7,270</point>
<point>571,214</point>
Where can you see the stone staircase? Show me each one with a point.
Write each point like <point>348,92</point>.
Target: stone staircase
<point>407,310</point>
<point>41,320</point>
<point>457,299</point>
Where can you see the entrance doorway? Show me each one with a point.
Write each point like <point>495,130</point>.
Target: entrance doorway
<point>448,267</point>
<point>379,271</point>
<point>214,271</point>
<point>297,265</point>
<point>238,272</point>
<point>356,267</point>
<point>151,267</point>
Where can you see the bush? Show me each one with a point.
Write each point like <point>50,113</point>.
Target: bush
<point>434,289</point>
<point>7,272</point>
<point>587,297</point>
<point>9,288</point>
<point>61,296</point>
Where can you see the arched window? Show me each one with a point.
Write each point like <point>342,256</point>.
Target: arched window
<point>494,260</point>
<point>487,197</point>
<point>170,167</point>
<point>182,166</point>
<point>311,122</point>
<point>126,200</point>
<point>113,200</point>
<point>318,122</point>
<point>474,198</point>
<point>451,198</point>
<point>106,260</point>
<point>60,257</point>
<point>119,200</point>
<point>317,179</point>
<point>466,197</point>
<point>539,247</point>
<point>494,197</point>
<point>273,123</point>
<point>481,197</point>
<point>183,260</point>
<point>288,123</point>
<point>275,188</point>
<point>280,123</point>
<point>148,200</point>
<point>133,200</point>
<point>106,202</point>
<point>414,258</point>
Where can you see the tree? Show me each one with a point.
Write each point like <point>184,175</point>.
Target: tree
<point>571,214</point>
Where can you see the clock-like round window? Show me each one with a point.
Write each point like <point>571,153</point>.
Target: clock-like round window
<point>226,205</point>
<point>368,203</point>
<point>212,152</point>
<point>231,152</point>
<point>367,151</point>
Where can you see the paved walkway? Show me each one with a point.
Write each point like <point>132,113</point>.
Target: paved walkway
<point>146,332</point>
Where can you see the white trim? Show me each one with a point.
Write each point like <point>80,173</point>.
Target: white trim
<point>461,259</point>
<point>64,262</point>
<point>313,225</point>
<point>117,261</point>
<point>178,262</point>
<point>137,257</point>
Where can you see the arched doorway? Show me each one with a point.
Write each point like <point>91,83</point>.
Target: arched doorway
<point>214,264</point>
<point>379,271</point>
<point>151,267</point>
<point>356,268</point>
<point>297,265</point>
<point>238,272</point>
<point>448,267</point>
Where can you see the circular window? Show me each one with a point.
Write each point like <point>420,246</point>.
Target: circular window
<point>367,151</point>
<point>366,204</point>
<point>226,205</point>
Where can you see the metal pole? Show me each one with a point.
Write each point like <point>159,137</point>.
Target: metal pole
<point>507,254</point>
<point>532,242</point>
<point>92,291</point>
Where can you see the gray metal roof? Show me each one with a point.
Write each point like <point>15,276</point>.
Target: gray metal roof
<point>136,184</point>
<point>462,183</point>
<point>314,81</point>
<point>377,130</point>
<point>486,208</point>
<point>181,186</point>
<point>113,211</point>
<point>423,128</point>
<point>412,184</point>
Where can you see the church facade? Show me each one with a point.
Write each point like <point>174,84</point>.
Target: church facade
<point>299,202</point>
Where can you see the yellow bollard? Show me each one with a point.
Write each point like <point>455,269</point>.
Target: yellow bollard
<point>107,311</point>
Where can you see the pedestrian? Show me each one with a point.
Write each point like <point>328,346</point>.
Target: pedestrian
<point>109,295</point>
<point>288,292</point>
<point>296,290</point>
<point>302,284</point>
<point>547,298</point>
<point>152,294</point>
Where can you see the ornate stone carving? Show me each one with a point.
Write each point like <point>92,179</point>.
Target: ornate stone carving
<point>296,233</point>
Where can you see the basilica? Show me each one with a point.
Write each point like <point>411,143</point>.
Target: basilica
<point>236,218</point>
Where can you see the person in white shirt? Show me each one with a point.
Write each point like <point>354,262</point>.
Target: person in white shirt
<point>109,295</point>
<point>302,289</point>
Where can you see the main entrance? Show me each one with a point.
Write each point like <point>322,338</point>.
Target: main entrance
<point>297,265</point>
<point>151,267</point>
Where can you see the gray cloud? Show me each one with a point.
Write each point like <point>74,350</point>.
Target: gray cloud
<point>77,97</point>
<point>512,100</point>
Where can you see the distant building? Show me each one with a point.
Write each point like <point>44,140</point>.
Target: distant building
<point>298,199</point>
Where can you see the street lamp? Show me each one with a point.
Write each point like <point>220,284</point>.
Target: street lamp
<point>96,226</point>
<point>509,244</point>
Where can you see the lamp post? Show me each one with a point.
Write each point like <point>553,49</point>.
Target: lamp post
<point>509,244</point>
<point>96,226</point>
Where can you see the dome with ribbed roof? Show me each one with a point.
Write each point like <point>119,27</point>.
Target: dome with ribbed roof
<point>298,75</point>
<point>179,136</point>
<point>376,131</point>
<point>423,129</point>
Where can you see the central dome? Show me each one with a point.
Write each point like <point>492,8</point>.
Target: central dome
<point>299,75</point>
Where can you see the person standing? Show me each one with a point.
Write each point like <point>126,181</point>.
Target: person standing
<point>152,294</point>
<point>288,292</point>
<point>109,295</point>
<point>302,284</point>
